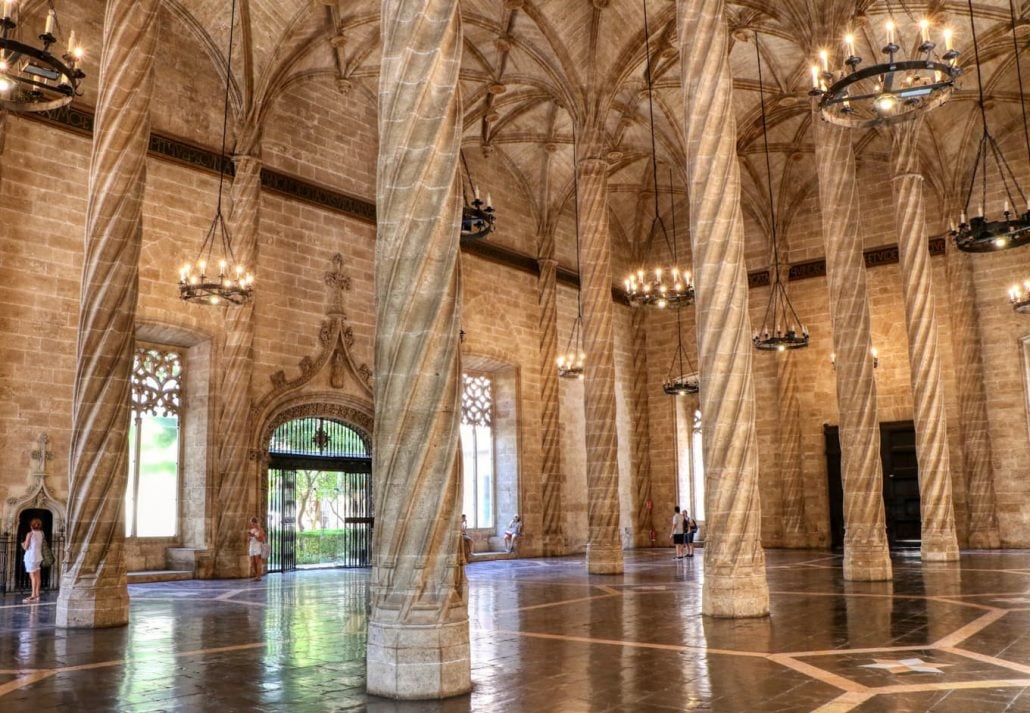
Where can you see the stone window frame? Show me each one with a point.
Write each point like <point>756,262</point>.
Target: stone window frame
<point>687,419</point>
<point>485,419</point>
<point>180,413</point>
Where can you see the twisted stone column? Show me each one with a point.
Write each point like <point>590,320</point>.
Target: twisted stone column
<point>550,407</point>
<point>866,556</point>
<point>93,589</point>
<point>640,413</point>
<point>237,494</point>
<point>939,543</point>
<point>794,530</point>
<point>735,584</point>
<point>418,636</point>
<point>972,401</point>
<point>604,544</point>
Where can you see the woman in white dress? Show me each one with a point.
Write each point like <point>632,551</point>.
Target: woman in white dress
<point>33,546</point>
<point>256,548</point>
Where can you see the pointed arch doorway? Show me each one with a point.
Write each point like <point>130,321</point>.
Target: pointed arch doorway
<point>319,496</point>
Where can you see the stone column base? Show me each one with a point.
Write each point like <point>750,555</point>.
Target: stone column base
<point>412,662</point>
<point>735,596</point>
<point>93,607</point>
<point>231,566</point>
<point>796,540</point>
<point>604,559</point>
<point>554,545</point>
<point>985,540</point>
<point>867,563</point>
<point>940,546</point>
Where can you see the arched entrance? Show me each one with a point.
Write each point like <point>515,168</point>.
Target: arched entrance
<point>319,496</point>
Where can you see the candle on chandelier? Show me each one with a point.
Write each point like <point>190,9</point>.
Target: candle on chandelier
<point>1006,208</point>
<point>947,39</point>
<point>71,42</point>
<point>890,31</point>
<point>8,8</point>
<point>849,43</point>
<point>49,28</point>
<point>980,210</point>
<point>924,30</point>
<point>962,218</point>
<point>815,77</point>
<point>824,59</point>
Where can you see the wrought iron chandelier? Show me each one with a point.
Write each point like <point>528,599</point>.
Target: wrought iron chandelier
<point>661,285</point>
<point>781,328</point>
<point>32,78</point>
<point>979,233</point>
<point>571,361</point>
<point>890,91</point>
<point>477,217</point>
<point>232,284</point>
<point>683,378</point>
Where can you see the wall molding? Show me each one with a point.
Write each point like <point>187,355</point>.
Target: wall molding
<point>80,120</point>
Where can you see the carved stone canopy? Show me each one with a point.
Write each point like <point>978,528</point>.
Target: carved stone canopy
<point>37,495</point>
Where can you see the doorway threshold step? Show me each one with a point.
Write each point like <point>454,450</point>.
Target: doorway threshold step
<point>489,556</point>
<point>161,575</point>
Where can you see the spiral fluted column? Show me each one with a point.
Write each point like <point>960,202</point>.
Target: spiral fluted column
<point>939,543</point>
<point>640,415</point>
<point>795,532</point>
<point>93,586</point>
<point>237,494</point>
<point>866,556</point>
<point>604,544</point>
<point>418,634</point>
<point>735,584</point>
<point>550,408</point>
<point>972,401</point>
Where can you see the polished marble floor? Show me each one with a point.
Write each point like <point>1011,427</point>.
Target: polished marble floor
<point>548,637</point>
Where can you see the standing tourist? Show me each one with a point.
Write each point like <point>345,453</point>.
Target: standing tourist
<point>33,546</point>
<point>256,548</point>
<point>677,532</point>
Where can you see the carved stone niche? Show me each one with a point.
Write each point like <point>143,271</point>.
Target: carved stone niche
<point>37,495</point>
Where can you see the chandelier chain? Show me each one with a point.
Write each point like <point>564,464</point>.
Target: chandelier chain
<point>654,143</point>
<point>225,111</point>
<point>768,166</point>
<point>1019,77</point>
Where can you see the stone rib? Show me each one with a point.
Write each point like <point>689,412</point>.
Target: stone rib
<point>418,627</point>
<point>604,545</point>
<point>972,400</point>
<point>642,513</point>
<point>866,556</point>
<point>794,528</point>
<point>735,584</point>
<point>237,494</point>
<point>93,586</point>
<point>550,409</point>
<point>939,542</point>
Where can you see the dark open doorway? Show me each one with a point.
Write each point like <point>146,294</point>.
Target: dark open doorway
<point>900,484</point>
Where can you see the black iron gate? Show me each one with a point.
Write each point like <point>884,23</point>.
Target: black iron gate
<point>319,497</point>
<point>282,520</point>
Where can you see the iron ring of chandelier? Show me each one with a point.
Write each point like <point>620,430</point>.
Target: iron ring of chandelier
<point>980,235</point>
<point>32,79</point>
<point>836,101</point>
<point>477,220</point>
<point>683,384</point>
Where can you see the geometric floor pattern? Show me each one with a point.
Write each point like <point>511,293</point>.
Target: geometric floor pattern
<point>546,636</point>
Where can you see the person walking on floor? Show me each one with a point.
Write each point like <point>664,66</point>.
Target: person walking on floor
<point>33,546</point>
<point>677,532</point>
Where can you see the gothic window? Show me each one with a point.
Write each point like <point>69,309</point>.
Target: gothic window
<point>152,495</point>
<point>690,479</point>
<point>477,446</point>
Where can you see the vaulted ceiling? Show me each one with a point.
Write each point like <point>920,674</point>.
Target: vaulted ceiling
<point>531,67</point>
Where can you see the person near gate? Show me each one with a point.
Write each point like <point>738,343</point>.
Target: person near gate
<point>33,546</point>
<point>256,549</point>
